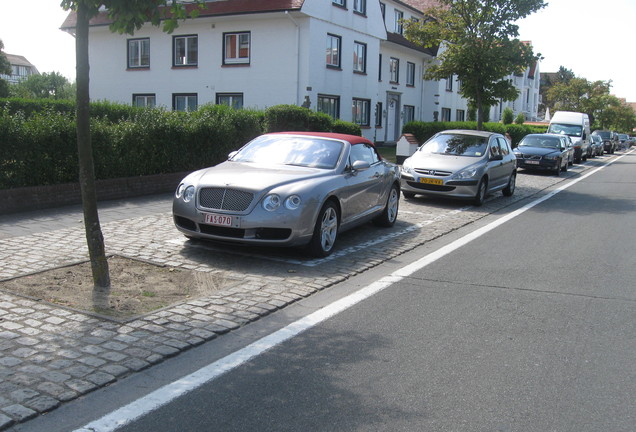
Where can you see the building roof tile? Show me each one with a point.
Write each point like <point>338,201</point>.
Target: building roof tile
<point>212,8</point>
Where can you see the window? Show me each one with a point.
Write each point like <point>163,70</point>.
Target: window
<point>359,57</point>
<point>360,6</point>
<point>394,70</point>
<point>234,100</point>
<point>378,114</point>
<point>495,150</point>
<point>363,152</point>
<point>446,114</point>
<point>236,48</point>
<point>341,3</point>
<point>449,83</point>
<point>380,69</point>
<point>333,50</point>
<point>409,113</point>
<point>360,111</point>
<point>144,100</point>
<point>329,105</point>
<point>184,102</point>
<point>410,73</point>
<point>399,16</point>
<point>459,84</point>
<point>186,51</point>
<point>460,115</point>
<point>505,146</point>
<point>138,53</point>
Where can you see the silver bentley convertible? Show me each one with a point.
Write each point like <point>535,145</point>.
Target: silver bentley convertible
<point>290,189</point>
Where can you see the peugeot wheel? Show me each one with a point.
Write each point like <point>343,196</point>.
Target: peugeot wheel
<point>480,196</point>
<point>510,188</point>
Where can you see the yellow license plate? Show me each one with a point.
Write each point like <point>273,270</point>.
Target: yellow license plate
<point>432,181</point>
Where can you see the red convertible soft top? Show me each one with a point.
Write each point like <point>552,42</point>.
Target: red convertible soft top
<point>352,139</point>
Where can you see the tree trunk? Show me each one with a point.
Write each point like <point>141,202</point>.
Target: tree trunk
<point>94,237</point>
<point>480,112</point>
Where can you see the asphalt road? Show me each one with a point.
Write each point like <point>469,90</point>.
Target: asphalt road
<point>530,327</point>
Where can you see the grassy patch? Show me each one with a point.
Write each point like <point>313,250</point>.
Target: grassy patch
<point>388,153</point>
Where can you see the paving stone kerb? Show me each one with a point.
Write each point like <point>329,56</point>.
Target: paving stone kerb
<point>51,355</point>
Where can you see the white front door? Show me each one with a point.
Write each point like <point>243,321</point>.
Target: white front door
<point>392,117</point>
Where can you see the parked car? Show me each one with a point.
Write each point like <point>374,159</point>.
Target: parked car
<point>623,140</point>
<point>577,126</point>
<point>610,140</point>
<point>568,140</point>
<point>543,151</point>
<point>597,145</point>
<point>288,189</point>
<point>461,164</point>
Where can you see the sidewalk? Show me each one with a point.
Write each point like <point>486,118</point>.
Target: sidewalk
<point>28,223</point>
<point>50,355</point>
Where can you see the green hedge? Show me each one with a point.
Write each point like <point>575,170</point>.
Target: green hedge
<point>38,144</point>
<point>424,130</point>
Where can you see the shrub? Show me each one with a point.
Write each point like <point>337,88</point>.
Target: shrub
<point>38,144</point>
<point>38,150</point>
<point>282,118</point>
<point>32,106</point>
<point>520,119</point>
<point>341,126</point>
<point>507,116</point>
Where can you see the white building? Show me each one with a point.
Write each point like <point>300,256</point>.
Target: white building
<point>451,106</point>
<point>347,58</point>
<point>21,69</point>
<point>527,102</point>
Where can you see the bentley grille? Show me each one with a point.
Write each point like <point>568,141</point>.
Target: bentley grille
<point>225,199</point>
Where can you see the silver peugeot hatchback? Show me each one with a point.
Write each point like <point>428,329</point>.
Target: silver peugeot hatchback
<point>464,164</point>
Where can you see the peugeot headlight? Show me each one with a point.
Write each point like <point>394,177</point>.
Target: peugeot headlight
<point>468,173</point>
<point>293,202</point>
<point>271,202</point>
<point>407,168</point>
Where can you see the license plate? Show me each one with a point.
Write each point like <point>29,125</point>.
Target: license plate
<point>432,181</point>
<point>218,219</point>
<point>532,162</point>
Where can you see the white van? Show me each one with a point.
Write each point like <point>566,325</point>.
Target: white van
<point>577,126</point>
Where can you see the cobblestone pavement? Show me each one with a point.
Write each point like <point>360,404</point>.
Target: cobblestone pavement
<point>50,355</point>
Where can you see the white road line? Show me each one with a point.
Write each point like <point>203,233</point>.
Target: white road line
<point>169,392</point>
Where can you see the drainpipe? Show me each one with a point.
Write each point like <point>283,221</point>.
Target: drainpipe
<point>298,102</point>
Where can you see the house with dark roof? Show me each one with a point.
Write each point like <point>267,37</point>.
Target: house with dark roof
<point>346,58</point>
<point>21,69</point>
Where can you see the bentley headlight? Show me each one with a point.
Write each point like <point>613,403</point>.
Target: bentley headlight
<point>292,202</point>
<point>188,194</point>
<point>180,190</point>
<point>271,202</point>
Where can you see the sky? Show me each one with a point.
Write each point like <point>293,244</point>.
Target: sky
<point>592,38</point>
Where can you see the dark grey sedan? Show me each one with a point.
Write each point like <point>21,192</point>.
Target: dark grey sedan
<point>543,151</point>
<point>288,189</point>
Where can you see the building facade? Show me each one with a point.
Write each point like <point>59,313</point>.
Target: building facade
<point>346,58</point>
<point>21,69</point>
